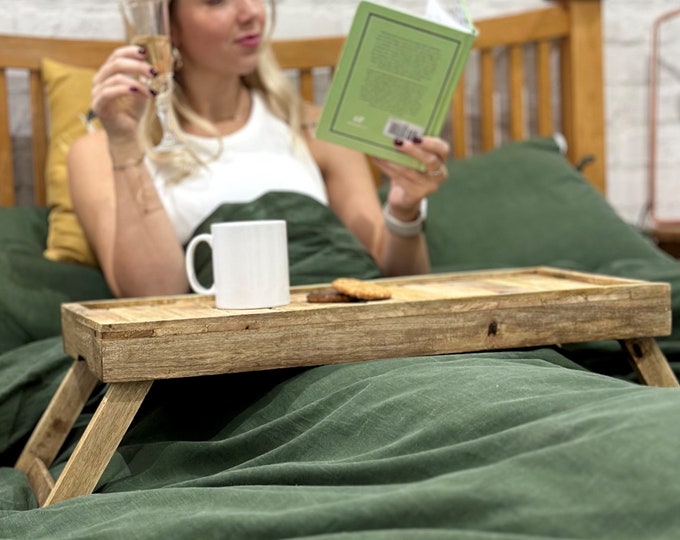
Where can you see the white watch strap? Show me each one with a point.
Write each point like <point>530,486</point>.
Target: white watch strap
<point>407,229</point>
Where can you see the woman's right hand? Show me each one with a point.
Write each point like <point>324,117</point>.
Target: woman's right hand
<point>119,94</point>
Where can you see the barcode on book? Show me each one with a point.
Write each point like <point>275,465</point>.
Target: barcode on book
<point>399,129</point>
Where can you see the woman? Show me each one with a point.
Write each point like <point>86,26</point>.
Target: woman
<point>243,134</point>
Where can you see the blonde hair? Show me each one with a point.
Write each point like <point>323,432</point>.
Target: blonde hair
<point>268,79</point>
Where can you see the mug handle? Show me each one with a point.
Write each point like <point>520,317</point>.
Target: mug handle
<point>189,263</point>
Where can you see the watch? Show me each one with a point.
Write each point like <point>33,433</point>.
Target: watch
<point>407,229</point>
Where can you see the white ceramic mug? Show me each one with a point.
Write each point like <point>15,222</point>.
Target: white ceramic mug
<point>249,261</point>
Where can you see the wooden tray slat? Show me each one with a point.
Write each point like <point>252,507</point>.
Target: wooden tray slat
<point>168,337</point>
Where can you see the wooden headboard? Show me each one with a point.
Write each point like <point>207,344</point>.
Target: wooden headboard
<point>533,73</point>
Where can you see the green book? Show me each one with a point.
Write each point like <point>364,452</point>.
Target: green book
<point>395,78</point>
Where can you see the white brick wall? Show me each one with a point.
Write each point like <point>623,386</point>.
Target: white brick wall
<point>627,31</point>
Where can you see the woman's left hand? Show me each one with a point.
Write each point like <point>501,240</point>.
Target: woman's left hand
<point>409,186</point>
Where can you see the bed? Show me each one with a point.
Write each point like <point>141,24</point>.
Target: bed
<point>550,442</point>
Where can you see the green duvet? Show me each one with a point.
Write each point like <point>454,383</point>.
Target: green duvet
<point>541,443</point>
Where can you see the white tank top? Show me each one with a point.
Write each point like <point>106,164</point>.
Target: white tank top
<point>259,158</point>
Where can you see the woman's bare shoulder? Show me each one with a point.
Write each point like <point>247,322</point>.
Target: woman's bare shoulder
<point>92,141</point>
<point>88,149</point>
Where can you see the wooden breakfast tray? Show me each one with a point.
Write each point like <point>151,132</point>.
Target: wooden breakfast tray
<point>130,343</point>
<point>182,336</point>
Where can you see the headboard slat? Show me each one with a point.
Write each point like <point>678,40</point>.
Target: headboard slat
<point>39,137</point>
<point>307,85</point>
<point>487,90</point>
<point>582,87</point>
<point>458,120</point>
<point>517,85</point>
<point>567,97</point>
<point>544,88</point>
<point>7,197</point>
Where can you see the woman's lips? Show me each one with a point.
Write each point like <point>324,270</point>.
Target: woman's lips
<point>251,40</point>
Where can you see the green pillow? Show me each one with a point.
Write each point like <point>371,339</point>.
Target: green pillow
<point>33,288</point>
<point>524,204</point>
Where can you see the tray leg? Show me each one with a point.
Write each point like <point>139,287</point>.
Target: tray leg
<point>100,440</point>
<point>649,362</point>
<point>54,425</point>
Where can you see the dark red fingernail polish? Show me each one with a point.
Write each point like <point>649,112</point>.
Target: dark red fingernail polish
<point>153,92</point>
<point>398,142</point>
<point>153,72</point>
<point>417,140</point>
<point>134,89</point>
<point>142,51</point>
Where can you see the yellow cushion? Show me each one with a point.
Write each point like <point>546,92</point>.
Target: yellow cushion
<point>68,100</point>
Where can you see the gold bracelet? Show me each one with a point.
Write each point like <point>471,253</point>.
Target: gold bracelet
<point>128,164</point>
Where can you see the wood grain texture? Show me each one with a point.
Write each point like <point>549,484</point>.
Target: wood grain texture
<point>100,440</point>
<point>544,88</point>
<point>649,362</point>
<point>517,86</point>
<point>58,419</point>
<point>41,481</point>
<point>183,336</point>
<point>584,99</point>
